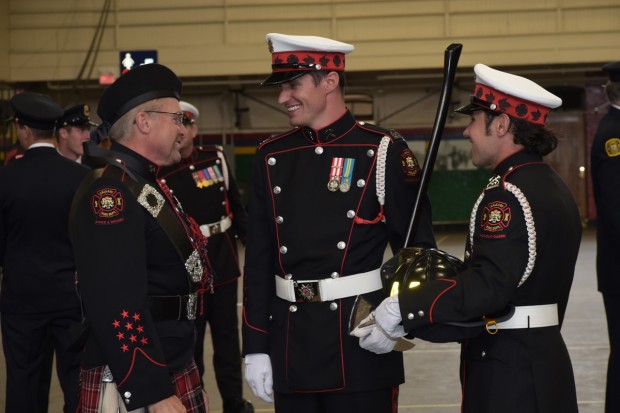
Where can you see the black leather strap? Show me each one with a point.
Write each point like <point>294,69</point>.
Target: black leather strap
<point>175,307</point>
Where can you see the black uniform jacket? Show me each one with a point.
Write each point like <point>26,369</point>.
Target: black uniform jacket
<point>35,251</point>
<point>208,192</point>
<point>605,177</point>
<point>123,257</point>
<point>525,228</point>
<point>299,227</point>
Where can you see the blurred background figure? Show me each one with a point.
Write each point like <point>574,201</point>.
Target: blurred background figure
<point>38,302</point>
<point>605,159</point>
<point>73,131</point>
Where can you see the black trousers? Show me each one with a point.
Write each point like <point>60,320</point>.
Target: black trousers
<point>25,338</point>
<point>220,311</point>
<point>612,395</point>
<point>370,401</point>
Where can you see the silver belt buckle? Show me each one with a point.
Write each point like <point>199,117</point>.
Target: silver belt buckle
<point>215,229</point>
<point>307,291</point>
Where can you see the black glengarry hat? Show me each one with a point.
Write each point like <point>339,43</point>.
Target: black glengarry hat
<point>35,110</point>
<point>139,85</point>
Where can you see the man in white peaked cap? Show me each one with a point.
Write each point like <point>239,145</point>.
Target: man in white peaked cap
<point>520,254</point>
<point>327,197</point>
<point>206,188</point>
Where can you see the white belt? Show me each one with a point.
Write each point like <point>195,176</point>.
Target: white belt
<point>532,316</point>
<point>328,289</point>
<point>216,227</point>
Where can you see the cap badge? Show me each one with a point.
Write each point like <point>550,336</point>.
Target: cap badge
<point>86,110</point>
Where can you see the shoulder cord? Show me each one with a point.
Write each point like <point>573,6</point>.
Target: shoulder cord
<point>380,172</point>
<point>224,167</point>
<point>529,223</point>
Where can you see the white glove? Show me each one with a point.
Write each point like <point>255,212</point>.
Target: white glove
<point>379,332</point>
<point>387,316</point>
<point>259,376</point>
<point>378,341</point>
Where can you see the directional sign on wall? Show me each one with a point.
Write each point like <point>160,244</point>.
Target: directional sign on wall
<point>132,58</point>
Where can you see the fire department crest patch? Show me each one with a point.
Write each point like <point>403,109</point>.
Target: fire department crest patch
<point>108,204</point>
<point>495,216</point>
<point>612,147</point>
<point>409,164</point>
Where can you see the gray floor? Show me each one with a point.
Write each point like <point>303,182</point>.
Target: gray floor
<point>432,384</point>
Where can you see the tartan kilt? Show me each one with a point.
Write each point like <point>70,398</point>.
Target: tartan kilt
<point>186,384</point>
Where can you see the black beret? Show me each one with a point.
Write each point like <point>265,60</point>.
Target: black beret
<point>139,85</point>
<point>35,110</point>
<point>77,115</point>
<point>613,68</point>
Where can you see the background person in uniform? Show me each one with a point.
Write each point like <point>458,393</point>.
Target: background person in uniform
<point>37,298</point>
<point>327,197</point>
<point>138,257</point>
<point>605,172</point>
<point>521,251</point>
<point>73,131</point>
<point>208,192</point>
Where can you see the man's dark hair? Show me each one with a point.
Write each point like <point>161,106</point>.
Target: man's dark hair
<point>535,138</point>
<point>613,91</point>
<point>320,74</point>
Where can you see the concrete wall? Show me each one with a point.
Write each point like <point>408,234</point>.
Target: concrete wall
<point>50,40</point>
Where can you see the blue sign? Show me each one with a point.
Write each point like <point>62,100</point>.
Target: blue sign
<point>132,58</point>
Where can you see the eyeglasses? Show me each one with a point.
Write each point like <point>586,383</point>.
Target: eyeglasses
<point>177,117</point>
<point>187,121</point>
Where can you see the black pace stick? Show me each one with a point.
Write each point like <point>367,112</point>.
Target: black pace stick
<point>451,60</point>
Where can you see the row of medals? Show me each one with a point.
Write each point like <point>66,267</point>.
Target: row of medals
<point>333,185</point>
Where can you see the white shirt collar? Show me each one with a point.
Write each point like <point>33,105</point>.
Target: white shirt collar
<point>41,145</point>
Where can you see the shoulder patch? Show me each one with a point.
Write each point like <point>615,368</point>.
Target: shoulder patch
<point>107,205</point>
<point>212,148</point>
<point>612,147</point>
<point>409,164</point>
<point>496,216</point>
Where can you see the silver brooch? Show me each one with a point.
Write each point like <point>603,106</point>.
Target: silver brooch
<point>193,265</point>
<point>192,300</point>
<point>151,200</point>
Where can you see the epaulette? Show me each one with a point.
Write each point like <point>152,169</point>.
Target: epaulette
<point>371,127</point>
<point>210,148</point>
<point>277,136</point>
<point>383,131</point>
<point>395,135</point>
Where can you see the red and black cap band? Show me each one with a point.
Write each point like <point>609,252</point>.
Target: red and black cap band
<point>486,97</point>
